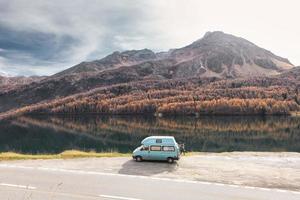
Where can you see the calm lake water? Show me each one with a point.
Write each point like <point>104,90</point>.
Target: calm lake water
<point>54,134</point>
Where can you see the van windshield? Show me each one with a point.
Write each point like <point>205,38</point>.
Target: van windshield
<point>144,148</point>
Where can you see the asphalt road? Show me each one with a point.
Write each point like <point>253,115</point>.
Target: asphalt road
<point>40,183</point>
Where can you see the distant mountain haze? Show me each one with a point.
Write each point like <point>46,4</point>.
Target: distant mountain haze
<point>217,55</point>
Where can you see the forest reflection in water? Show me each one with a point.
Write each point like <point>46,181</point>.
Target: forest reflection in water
<point>54,134</point>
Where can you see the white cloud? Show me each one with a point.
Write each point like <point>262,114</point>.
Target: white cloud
<point>93,25</point>
<point>99,27</point>
<point>273,25</point>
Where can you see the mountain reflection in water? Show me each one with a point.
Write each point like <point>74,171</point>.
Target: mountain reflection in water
<point>54,134</point>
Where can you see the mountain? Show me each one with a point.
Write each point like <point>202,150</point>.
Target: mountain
<point>273,95</point>
<point>217,54</point>
<point>224,55</point>
<point>11,83</point>
<point>293,74</point>
<point>116,59</point>
<point>214,57</point>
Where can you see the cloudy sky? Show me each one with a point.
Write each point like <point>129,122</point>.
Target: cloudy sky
<point>40,37</point>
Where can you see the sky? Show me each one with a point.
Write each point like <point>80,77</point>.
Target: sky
<point>42,37</point>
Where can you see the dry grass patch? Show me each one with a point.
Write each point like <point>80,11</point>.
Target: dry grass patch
<point>64,155</point>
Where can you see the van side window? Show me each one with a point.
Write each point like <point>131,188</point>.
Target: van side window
<point>155,148</point>
<point>168,148</point>
<point>158,140</point>
<point>145,148</point>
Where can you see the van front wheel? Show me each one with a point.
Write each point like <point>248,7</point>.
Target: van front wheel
<point>170,160</point>
<point>138,159</point>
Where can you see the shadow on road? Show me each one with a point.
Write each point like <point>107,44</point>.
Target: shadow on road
<point>146,168</point>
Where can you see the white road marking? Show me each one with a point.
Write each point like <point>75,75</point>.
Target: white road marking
<point>265,189</point>
<point>219,184</point>
<point>109,169</point>
<point>235,186</point>
<point>118,197</point>
<point>18,186</point>
<point>249,187</point>
<point>281,190</point>
<point>144,177</point>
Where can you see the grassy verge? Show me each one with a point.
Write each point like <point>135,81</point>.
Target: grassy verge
<point>69,155</point>
<point>63,155</point>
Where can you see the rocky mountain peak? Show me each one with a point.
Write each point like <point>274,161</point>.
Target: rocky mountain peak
<point>223,55</point>
<point>220,38</point>
<point>216,54</point>
<point>130,56</point>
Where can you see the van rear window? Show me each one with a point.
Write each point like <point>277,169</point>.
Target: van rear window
<point>155,148</point>
<point>168,148</point>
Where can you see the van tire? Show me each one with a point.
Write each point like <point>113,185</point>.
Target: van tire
<point>170,160</point>
<point>138,159</point>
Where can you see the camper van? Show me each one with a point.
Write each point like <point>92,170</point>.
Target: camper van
<point>157,148</point>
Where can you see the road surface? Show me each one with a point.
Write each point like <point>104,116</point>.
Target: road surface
<point>36,183</point>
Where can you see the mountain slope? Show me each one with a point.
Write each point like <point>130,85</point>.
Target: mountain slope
<point>223,55</point>
<point>10,83</point>
<point>279,95</point>
<point>111,61</point>
<point>217,55</point>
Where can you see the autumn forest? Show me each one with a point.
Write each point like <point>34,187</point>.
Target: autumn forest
<point>277,95</point>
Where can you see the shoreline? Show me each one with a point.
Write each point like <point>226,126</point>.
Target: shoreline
<point>11,114</point>
<point>73,154</point>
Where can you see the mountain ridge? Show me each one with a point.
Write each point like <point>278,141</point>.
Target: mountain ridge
<point>217,55</point>
<point>116,59</point>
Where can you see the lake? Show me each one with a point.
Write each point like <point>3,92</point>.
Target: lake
<point>54,134</point>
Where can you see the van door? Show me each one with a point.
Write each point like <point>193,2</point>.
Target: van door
<point>144,152</point>
<point>155,152</point>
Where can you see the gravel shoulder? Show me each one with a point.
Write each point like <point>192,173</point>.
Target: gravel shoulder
<point>259,169</point>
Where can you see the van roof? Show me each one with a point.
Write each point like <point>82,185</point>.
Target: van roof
<point>165,140</point>
<point>160,137</point>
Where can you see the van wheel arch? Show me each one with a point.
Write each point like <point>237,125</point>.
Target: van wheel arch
<point>138,158</point>
<point>170,160</point>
